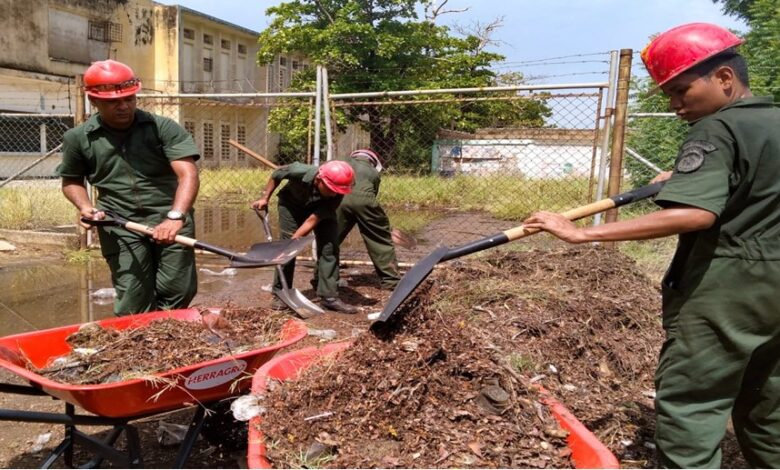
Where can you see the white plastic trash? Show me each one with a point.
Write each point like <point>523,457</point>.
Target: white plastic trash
<point>247,407</point>
<point>224,272</point>
<point>105,293</point>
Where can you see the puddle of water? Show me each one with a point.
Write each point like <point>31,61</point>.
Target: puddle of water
<point>40,296</point>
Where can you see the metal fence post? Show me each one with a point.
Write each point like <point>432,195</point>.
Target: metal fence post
<point>326,109</point>
<point>317,117</point>
<point>84,235</point>
<point>618,137</point>
<point>609,111</point>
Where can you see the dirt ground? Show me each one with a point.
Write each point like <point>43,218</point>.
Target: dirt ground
<point>588,327</point>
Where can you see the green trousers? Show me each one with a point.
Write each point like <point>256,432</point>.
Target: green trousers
<point>374,227</point>
<point>721,358</point>
<point>290,218</point>
<point>148,276</point>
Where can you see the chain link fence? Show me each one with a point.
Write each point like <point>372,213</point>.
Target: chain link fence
<point>459,166</point>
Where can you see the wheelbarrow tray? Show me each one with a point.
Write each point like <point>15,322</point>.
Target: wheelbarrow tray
<point>586,449</point>
<point>201,382</point>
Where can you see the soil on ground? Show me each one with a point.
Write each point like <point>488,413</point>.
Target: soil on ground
<point>583,322</point>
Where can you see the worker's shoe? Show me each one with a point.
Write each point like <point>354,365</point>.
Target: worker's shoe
<point>335,304</point>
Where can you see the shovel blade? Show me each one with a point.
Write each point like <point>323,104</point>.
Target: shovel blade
<point>271,253</point>
<point>411,280</point>
<point>302,306</point>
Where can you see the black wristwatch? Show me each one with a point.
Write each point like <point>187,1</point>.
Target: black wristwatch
<point>175,215</point>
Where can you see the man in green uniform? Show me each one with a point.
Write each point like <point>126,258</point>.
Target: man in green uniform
<point>308,202</point>
<point>721,309</point>
<point>361,208</point>
<point>143,167</point>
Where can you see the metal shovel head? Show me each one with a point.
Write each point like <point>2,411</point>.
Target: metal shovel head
<point>271,253</point>
<point>411,280</point>
<point>302,306</point>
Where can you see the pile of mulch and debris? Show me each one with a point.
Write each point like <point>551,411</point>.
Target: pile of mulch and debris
<point>105,355</point>
<point>448,382</point>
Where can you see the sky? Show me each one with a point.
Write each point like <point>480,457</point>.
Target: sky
<point>549,41</point>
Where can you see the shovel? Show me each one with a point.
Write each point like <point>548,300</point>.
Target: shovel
<point>259,255</point>
<point>291,297</point>
<point>420,271</point>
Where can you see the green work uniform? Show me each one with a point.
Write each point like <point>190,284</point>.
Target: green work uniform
<point>362,208</point>
<point>298,200</point>
<point>132,172</point>
<point>721,307</point>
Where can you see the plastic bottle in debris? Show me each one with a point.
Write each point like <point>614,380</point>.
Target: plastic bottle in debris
<point>224,272</point>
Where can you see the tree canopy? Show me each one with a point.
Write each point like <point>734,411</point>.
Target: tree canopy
<point>381,45</point>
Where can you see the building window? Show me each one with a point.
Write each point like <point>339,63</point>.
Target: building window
<point>98,31</point>
<point>208,141</point>
<point>225,44</point>
<point>189,126</point>
<point>241,138</point>
<point>241,49</point>
<point>208,64</point>
<point>224,145</point>
<point>208,39</point>
<point>224,220</point>
<point>282,72</point>
<point>189,34</point>
<point>283,61</point>
<point>208,220</point>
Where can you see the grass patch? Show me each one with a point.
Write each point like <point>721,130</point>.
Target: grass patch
<point>78,256</point>
<point>25,208</point>
<point>652,256</point>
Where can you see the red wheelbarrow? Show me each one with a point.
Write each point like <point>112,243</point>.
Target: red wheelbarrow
<point>587,450</point>
<point>118,403</point>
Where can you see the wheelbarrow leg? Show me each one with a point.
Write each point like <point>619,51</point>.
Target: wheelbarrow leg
<point>189,440</point>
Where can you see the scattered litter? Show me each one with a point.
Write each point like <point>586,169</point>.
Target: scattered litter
<point>266,287</point>
<point>626,442</point>
<point>104,293</point>
<point>224,272</point>
<point>5,246</point>
<point>569,387</point>
<point>40,441</point>
<point>169,434</point>
<point>650,445</point>
<point>374,316</point>
<point>552,369</point>
<point>649,394</point>
<point>537,378</point>
<point>247,407</point>
<point>319,416</point>
<point>324,334</point>
<point>85,351</point>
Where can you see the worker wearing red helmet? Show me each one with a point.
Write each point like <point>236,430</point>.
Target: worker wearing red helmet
<point>308,203</point>
<point>143,167</point>
<point>361,208</point>
<point>721,308</point>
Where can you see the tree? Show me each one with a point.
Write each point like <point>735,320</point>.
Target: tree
<point>379,45</point>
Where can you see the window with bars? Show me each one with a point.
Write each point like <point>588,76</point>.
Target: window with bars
<point>208,39</point>
<point>224,221</point>
<point>282,61</point>
<point>208,64</point>
<point>208,141</point>
<point>224,145</point>
<point>225,43</point>
<point>241,49</point>
<point>98,31</point>
<point>189,34</point>
<point>189,126</point>
<point>241,139</point>
<point>208,220</point>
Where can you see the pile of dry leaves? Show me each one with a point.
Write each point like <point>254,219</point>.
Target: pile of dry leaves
<point>101,355</point>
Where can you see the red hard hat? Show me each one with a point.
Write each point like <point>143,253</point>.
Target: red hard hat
<point>370,155</point>
<point>109,79</point>
<point>677,50</point>
<point>338,176</point>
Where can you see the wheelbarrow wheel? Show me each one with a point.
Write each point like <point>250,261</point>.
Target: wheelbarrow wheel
<point>221,430</point>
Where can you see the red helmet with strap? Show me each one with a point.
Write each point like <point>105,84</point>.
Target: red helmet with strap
<point>109,79</point>
<point>369,155</point>
<point>338,176</point>
<point>677,50</point>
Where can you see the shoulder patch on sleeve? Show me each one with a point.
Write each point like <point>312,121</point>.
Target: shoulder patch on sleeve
<point>691,156</point>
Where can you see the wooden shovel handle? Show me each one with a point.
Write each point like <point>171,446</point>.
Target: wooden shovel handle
<point>253,154</point>
<point>146,230</point>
